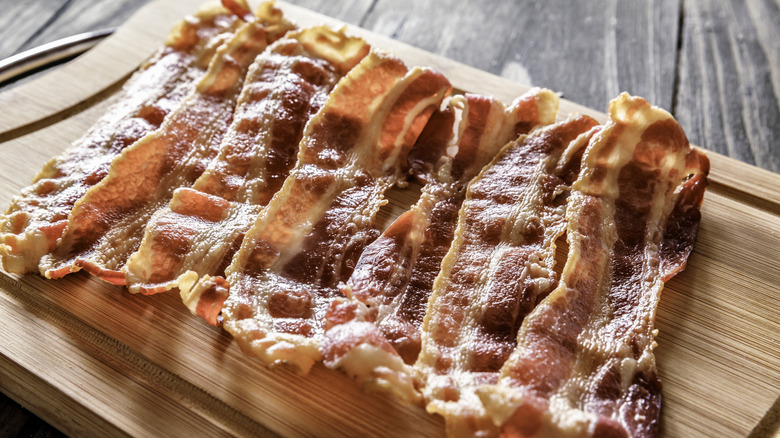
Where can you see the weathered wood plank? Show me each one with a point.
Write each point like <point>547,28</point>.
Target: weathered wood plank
<point>78,16</point>
<point>70,17</point>
<point>729,79</point>
<point>52,21</point>
<point>348,11</point>
<point>590,51</point>
<point>646,38</point>
<point>20,21</point>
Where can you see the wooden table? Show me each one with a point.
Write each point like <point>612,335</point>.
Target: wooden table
<point>714,64</point>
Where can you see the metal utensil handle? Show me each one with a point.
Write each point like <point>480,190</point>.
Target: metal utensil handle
<point>49,53</point>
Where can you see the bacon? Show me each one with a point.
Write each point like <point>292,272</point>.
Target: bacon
<point>107,223</point>
<point>498,267</point>
<point>204,225</point>
<point>394,276</point>
<point>584,363</point>
<point>240,8</point>
<point>308,238</point>
<point>35,219</point>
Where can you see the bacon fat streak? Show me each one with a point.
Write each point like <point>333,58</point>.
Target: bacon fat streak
<point>246,164</point>
<point>392,282</point>
<point>309,236</point>
<point>203,226</point>
<point>35,219</point>
<point>584,363</point>
<point>500,264</point>
<point>106,225</point>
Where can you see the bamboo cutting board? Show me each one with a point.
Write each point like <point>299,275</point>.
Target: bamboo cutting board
<point>93,359</point>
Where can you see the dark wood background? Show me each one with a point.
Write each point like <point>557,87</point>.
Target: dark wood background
<point>714,64</point>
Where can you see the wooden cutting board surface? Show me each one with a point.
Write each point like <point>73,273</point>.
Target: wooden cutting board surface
<point>93,359</point>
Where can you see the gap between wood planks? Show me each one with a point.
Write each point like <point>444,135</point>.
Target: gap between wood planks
<point>727,125</point>
<point>367,13</point>
<point>678,54</point>
<point>45,25</point>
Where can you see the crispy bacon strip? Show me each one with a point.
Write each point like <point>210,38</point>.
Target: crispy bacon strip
<point>106,225</point>
<point>584,363</point>
<point>310,235</point>
<point>394,277</point>
<point>498,267</point>
<point>203,226</point>
<point>35,219</point>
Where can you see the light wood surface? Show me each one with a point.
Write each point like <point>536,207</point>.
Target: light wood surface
<point>92,359</point>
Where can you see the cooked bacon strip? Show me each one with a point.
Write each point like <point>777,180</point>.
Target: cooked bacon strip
<point>394,276</point>
<point>106,225</point>
<point>584,363</point>
<point>240,8</point>
<point>203,226</point>
<point>310,235</point>
<point>498,267</point>
<point>35,219</point>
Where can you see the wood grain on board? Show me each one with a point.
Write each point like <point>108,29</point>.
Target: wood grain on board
<point>92,359</point>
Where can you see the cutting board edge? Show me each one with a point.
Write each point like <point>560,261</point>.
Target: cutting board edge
<point>724,161</point>
<point>79,407</point>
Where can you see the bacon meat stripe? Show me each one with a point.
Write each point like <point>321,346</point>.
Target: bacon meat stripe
<point>499,266</point>
<point>584,363</point>
<point>203,226</point>
<point>35,219</point>
<point>394,277</point>
<point>308,238</point>
<point>246,163</point>
<point>106,225</point>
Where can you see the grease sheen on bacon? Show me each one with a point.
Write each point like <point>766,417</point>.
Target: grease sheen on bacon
<point>584,364</point>
<point>310,235</point>
<point>201,229</point>
<point>106,225</point>
<point>389,289</point>
<point>498,267</point>
<point>457,299</point>
<point>35,220</point>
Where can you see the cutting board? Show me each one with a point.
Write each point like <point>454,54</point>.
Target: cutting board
<point>92,359</point>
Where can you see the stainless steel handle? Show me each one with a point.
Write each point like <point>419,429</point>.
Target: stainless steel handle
<point>49,53</point>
